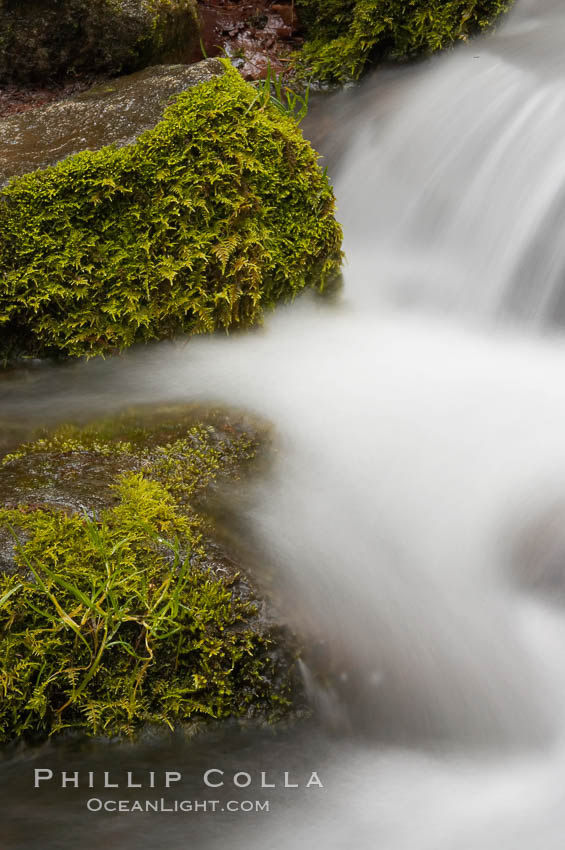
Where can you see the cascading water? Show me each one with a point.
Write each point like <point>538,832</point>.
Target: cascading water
<point>463,184</point>
<point>412,521</point>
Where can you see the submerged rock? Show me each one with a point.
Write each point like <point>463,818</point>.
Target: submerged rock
<point>216,212</point>
<point>42,39</point>
<point>537,559</point>
<point>117,605</point>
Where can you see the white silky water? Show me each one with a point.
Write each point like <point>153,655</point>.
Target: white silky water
<point>412,524</point>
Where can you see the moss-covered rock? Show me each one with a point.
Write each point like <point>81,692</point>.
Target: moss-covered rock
<point>45,39</point>
<point>216,213</point>
<point>116,607</point>
<point>344,36</point>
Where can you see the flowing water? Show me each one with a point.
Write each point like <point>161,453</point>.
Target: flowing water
<point>412,527</point>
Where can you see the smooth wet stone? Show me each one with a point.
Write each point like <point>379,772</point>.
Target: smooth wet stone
<point>116,112</point>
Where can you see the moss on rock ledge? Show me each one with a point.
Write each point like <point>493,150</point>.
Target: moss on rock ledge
<point>219,211</point>
<point>114,618</point>
<point>346,35</point>
<point>46,39</point>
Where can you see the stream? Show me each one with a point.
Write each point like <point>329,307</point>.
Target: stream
<point>412,525</point>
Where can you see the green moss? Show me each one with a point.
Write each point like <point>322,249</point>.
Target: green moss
<point>184,456</point>
<point>115,620</point>
<point>217,213</point>
<point>344,36</point>
<point>46,39</point>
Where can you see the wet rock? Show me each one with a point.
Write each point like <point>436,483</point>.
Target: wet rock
<point>114,112</point>
<point>538,560</point>
<point>41,39</point>
<point>74,469</point>
<point>19,98</point>
<point>113,502</point>
<point>207,219</point>
<point>7,551</point>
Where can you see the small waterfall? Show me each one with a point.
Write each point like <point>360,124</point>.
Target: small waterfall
<point>463,175</point>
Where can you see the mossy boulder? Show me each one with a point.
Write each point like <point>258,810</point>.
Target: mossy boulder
<point>344,36</point>
<point>46,39</point>
<point>217,212</point>
<point>117,609</point>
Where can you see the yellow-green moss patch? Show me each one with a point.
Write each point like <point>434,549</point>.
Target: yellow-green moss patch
<point>344,36</point>
<point>218,212</point>
<point>112,619</point>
